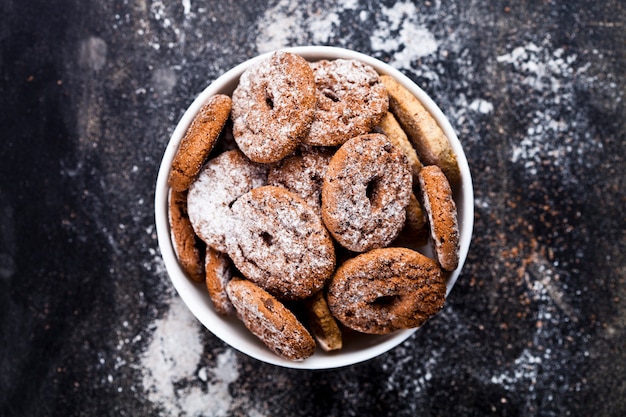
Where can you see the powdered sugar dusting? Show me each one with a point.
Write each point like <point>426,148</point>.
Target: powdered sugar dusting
<point>220,182</point>
<point>403,34</point>
<point>273,107</point>
<point>548,139</point>
<point>281,243</point>
<point>351,100</point>
<point>365,193</point>
<point>303,173</point>
<point>173,378</point>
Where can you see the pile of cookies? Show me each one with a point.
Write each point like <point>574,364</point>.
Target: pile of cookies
<point>301,202</point>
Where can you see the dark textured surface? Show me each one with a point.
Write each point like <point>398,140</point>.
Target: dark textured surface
<point>91,91</point>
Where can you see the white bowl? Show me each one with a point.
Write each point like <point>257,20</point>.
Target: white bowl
<point>357,347</point>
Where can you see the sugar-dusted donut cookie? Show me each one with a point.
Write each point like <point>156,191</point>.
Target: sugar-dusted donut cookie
<point>385,290</point>
<point>269,320</point>
<point>365,192</point>
<point>218,271</point>
<point>322,324</point>
<point>351,100</point>
<point>188,247</point>
<point>303,173</point>
<point>220,182</point>
<point>273,107</point>
<point>442,216</point>
<point>280,243</point>
<point>195,146</point>
<point>422,129</point>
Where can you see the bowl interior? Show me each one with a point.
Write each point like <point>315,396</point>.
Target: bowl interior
<point>357,347</point>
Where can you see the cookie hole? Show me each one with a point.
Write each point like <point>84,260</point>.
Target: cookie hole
<point>371,189</point>
<point>269,101</point>
<point>385,301</point>
<point>331,95</point>
<point>267,238</point>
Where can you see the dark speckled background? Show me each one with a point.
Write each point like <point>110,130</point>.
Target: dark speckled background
<point>90,92</point>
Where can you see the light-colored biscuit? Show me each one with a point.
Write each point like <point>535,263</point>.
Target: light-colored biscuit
<point>322,324</point>
<point>390,127</point>
<point>415,231</point>
<point>422,129</point>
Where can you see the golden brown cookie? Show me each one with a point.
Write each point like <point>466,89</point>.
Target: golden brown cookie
<point>188,247</point>
<point>365,193</point>
<point>219,271</point>
<point>385,290</point>
<point>390,127</point>
<point>220,182</point>
<point>273,107</point>
<point>351,100</point>
<point>322,324</point>
<point>422,129</point>
<point>440,208</point>
<point>415,231</point>
<point>303,173</point>
<point>280,243</point>
<point>269,320</point>
<point>198,141</point>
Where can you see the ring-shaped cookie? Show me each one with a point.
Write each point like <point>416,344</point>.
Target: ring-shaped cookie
<point>280,243</point>
<point>365,193</point>
<point>351,101</point>
<point>273,107</point>
<point>385,290</point>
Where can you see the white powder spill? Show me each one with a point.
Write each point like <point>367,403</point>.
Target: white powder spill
<point>412,41</point>
<point>171,378</point>
<point>93,53</point>
<point>186,6</point>
<point>550,138</point>
<point>397,28</point>
<point>300,24</point>
<point>481,106</point>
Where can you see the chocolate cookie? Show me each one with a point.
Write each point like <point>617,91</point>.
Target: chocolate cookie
<point>280,243</point>
<point>220,182</point>
<point>198,141</point>
<point>351,100</point>
<point>365,193</point>
<point>273,107</point>
<point>303,173</point>
<point>385,290</point>
<point>188,248</point>
<point>442,216</point>
<point>269,320</point>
